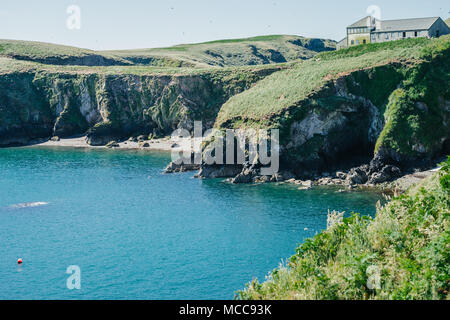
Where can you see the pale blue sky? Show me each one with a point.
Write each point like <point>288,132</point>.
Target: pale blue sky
<point>143,24</point>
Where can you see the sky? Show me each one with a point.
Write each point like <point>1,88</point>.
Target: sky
<point>131,24</point>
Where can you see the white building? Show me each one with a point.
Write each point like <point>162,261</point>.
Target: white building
<point>371,30</point>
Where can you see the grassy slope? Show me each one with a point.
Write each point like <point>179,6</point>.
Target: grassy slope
<point>222,53</point>
<point>288,88</point>
<point>408,241</point>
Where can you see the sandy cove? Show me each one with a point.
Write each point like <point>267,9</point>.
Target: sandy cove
<point>164,144</point>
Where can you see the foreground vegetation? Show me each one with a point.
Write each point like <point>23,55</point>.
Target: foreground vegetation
<point>407,244</point>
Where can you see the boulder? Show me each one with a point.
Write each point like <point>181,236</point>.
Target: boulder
<point>261,179</point>
<point>357,176</point>
<point>282,176</point>
<point>218,171</point>
<point>242,178</point>
<point>387,173</point>
<point>184,167</point>
<point>341,175</point>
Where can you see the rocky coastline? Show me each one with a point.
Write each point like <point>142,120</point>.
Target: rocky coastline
<point>372,176</point>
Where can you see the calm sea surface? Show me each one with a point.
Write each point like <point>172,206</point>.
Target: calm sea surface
<point>138,234</point>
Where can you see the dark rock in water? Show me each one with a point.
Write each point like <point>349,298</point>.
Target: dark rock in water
<point>357,176</point>
<point>242,178</point>
<point>282,176</point>
<point>219,171</point>
<point>262,179</point>
<point>144,144</point>
<point>184,167</point>
<point>248,174</point>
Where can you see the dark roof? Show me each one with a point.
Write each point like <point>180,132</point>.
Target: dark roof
<point>364,22</point>
<point>406,24</point>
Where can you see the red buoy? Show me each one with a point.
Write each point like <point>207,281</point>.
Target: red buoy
<point>20,261</point>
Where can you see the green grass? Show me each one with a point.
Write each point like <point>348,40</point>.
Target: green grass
<point>236,52</point>
<point>58,54</point>
<point>408,243</point>
<point>289,88</point>
<point>251,39</point>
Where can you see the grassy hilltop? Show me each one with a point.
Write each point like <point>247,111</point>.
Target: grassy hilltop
<point>236,52</point>
<point>222,53</point>
<point>404,86</point>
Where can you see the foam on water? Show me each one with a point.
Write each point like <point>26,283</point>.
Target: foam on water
<point>28,205</point>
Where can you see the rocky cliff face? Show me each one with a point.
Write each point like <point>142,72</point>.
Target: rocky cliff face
<point>37,105</point>
<point>388,118</point>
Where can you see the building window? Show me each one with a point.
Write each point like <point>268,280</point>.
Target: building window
<point>404,34</point>
<point>364,41</point>
<point>437,33</point>
<point>415,34</point>
<point>357,41</point>
<point>353,42</point>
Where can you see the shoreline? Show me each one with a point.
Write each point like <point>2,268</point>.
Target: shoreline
<point>167,144</point>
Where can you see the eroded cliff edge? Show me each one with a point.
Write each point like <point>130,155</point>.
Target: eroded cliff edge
<point>44,103</point>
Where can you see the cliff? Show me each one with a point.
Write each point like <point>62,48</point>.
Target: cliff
<point>388,102</point>
<point>39,101</point>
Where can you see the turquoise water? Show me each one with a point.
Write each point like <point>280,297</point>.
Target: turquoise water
<point>138,234</point>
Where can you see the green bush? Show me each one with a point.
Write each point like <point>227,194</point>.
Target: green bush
<point>408,243</point>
